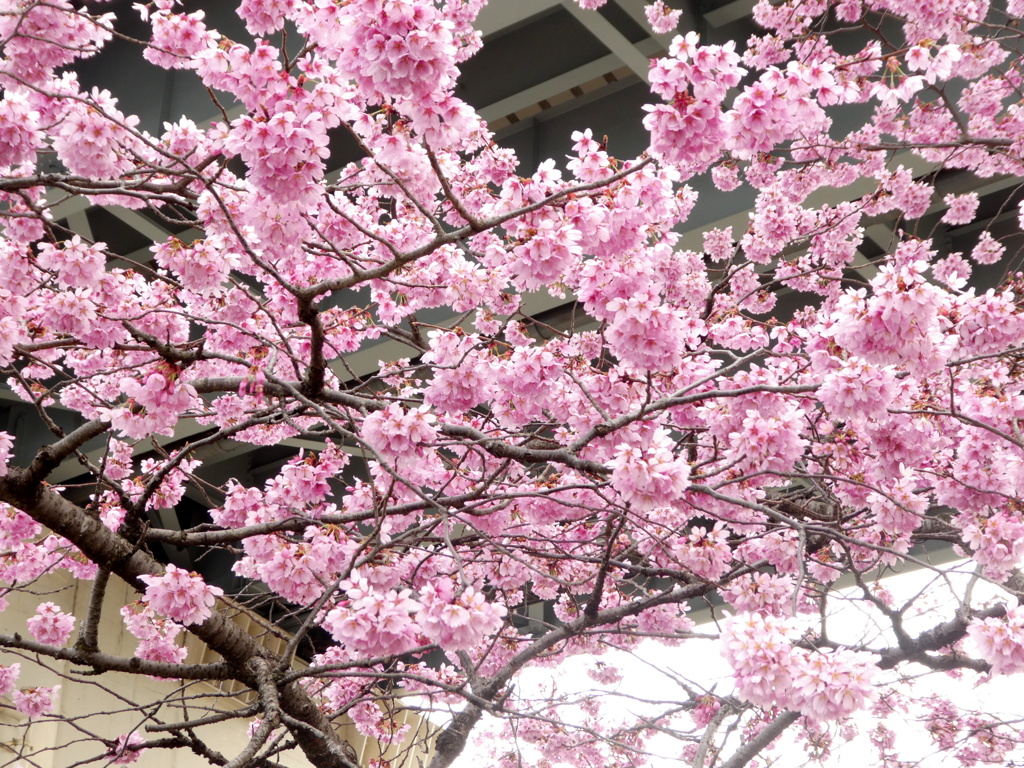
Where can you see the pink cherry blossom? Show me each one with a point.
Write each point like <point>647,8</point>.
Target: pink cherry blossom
<point>176,37</point>
<point>661,18</point>
<point>400,436</point>
<point>650,477</point>
<point>761,593</point>
<point>156,635</point>
<point>1000,641</point>
<point>50,625</point>
<point>831,685</point>
<point>8,678</point>
<point>705,553</point>
<point>372,621</point>
<point>180,595</point>
<point>961,208</point>
<point>859,391</point>
<point>162,398</point>
<point>824,685</point>
<point>457,621</point>
<point>263,16</point>
<point>6,443</point>
<point>988,250</point>
<point>36,702</point>
<point>126,751</point>
<point>19,134</point>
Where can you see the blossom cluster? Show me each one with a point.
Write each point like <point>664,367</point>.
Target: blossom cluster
<point>156,635</point>
<point>50,625</point>
<point>390,622</point>
<point>180,595</point>
<point>400,436</point>
<point>1000,641</point>
<point>771,671</point>
<point>36,702</point>
<point>649,477</point>
<point>127,749</point>
<point>457,621</point>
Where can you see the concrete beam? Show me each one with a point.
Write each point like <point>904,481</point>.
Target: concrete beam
<point>549,89</point>
<point>617,43</point>
<point>496,16</point>
<point>139,223</point>
<point>79,223</point>
<point>729,13</point>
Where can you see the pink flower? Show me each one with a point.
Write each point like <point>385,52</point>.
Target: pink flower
<point>988,250</point>
<point>662,18</point>
<point>648,335</point>
<point>6,444</point>
<point>181,595</point>
<point>962,208</point>
<point>8,677</point>
<point>92,143</point>
<point>761,593</point>
<point>156,635</point>
<point>400,436</point>
<point>831,685</point>
<point>544,258</point>
<point>651,477</point>
<point>917,58</point>
<point>760,654</point>
<point>1000,642</point>
<point>899,322</point>
<point>770,443</point>
<point>718,243</point>
<point>295,572</point>
<point>705,709</point>
<point>371,621</point>
<point>126,751</point>
<point>36,702</point>
<point>457,622</point>
<point>705,553</point>
<point>50,625</point>
<point>176,37</point>
<point>201,266</point>
<point>263,16</point>
<point>769,671</point>
<point>858,391</point>
<point>77,265</point>
<point>727,178</point>
<point>996,540</point>
<point>19,137</point>
<point>161,398</point>
<point>954,271</point>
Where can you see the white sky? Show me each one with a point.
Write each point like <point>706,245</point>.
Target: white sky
<point>644,678</point>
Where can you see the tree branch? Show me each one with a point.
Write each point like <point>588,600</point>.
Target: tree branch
<point>768,734</point>
<point>105,662</point>
<point>50,456</point>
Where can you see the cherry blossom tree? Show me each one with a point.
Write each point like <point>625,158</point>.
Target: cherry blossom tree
<point>725,445</point>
